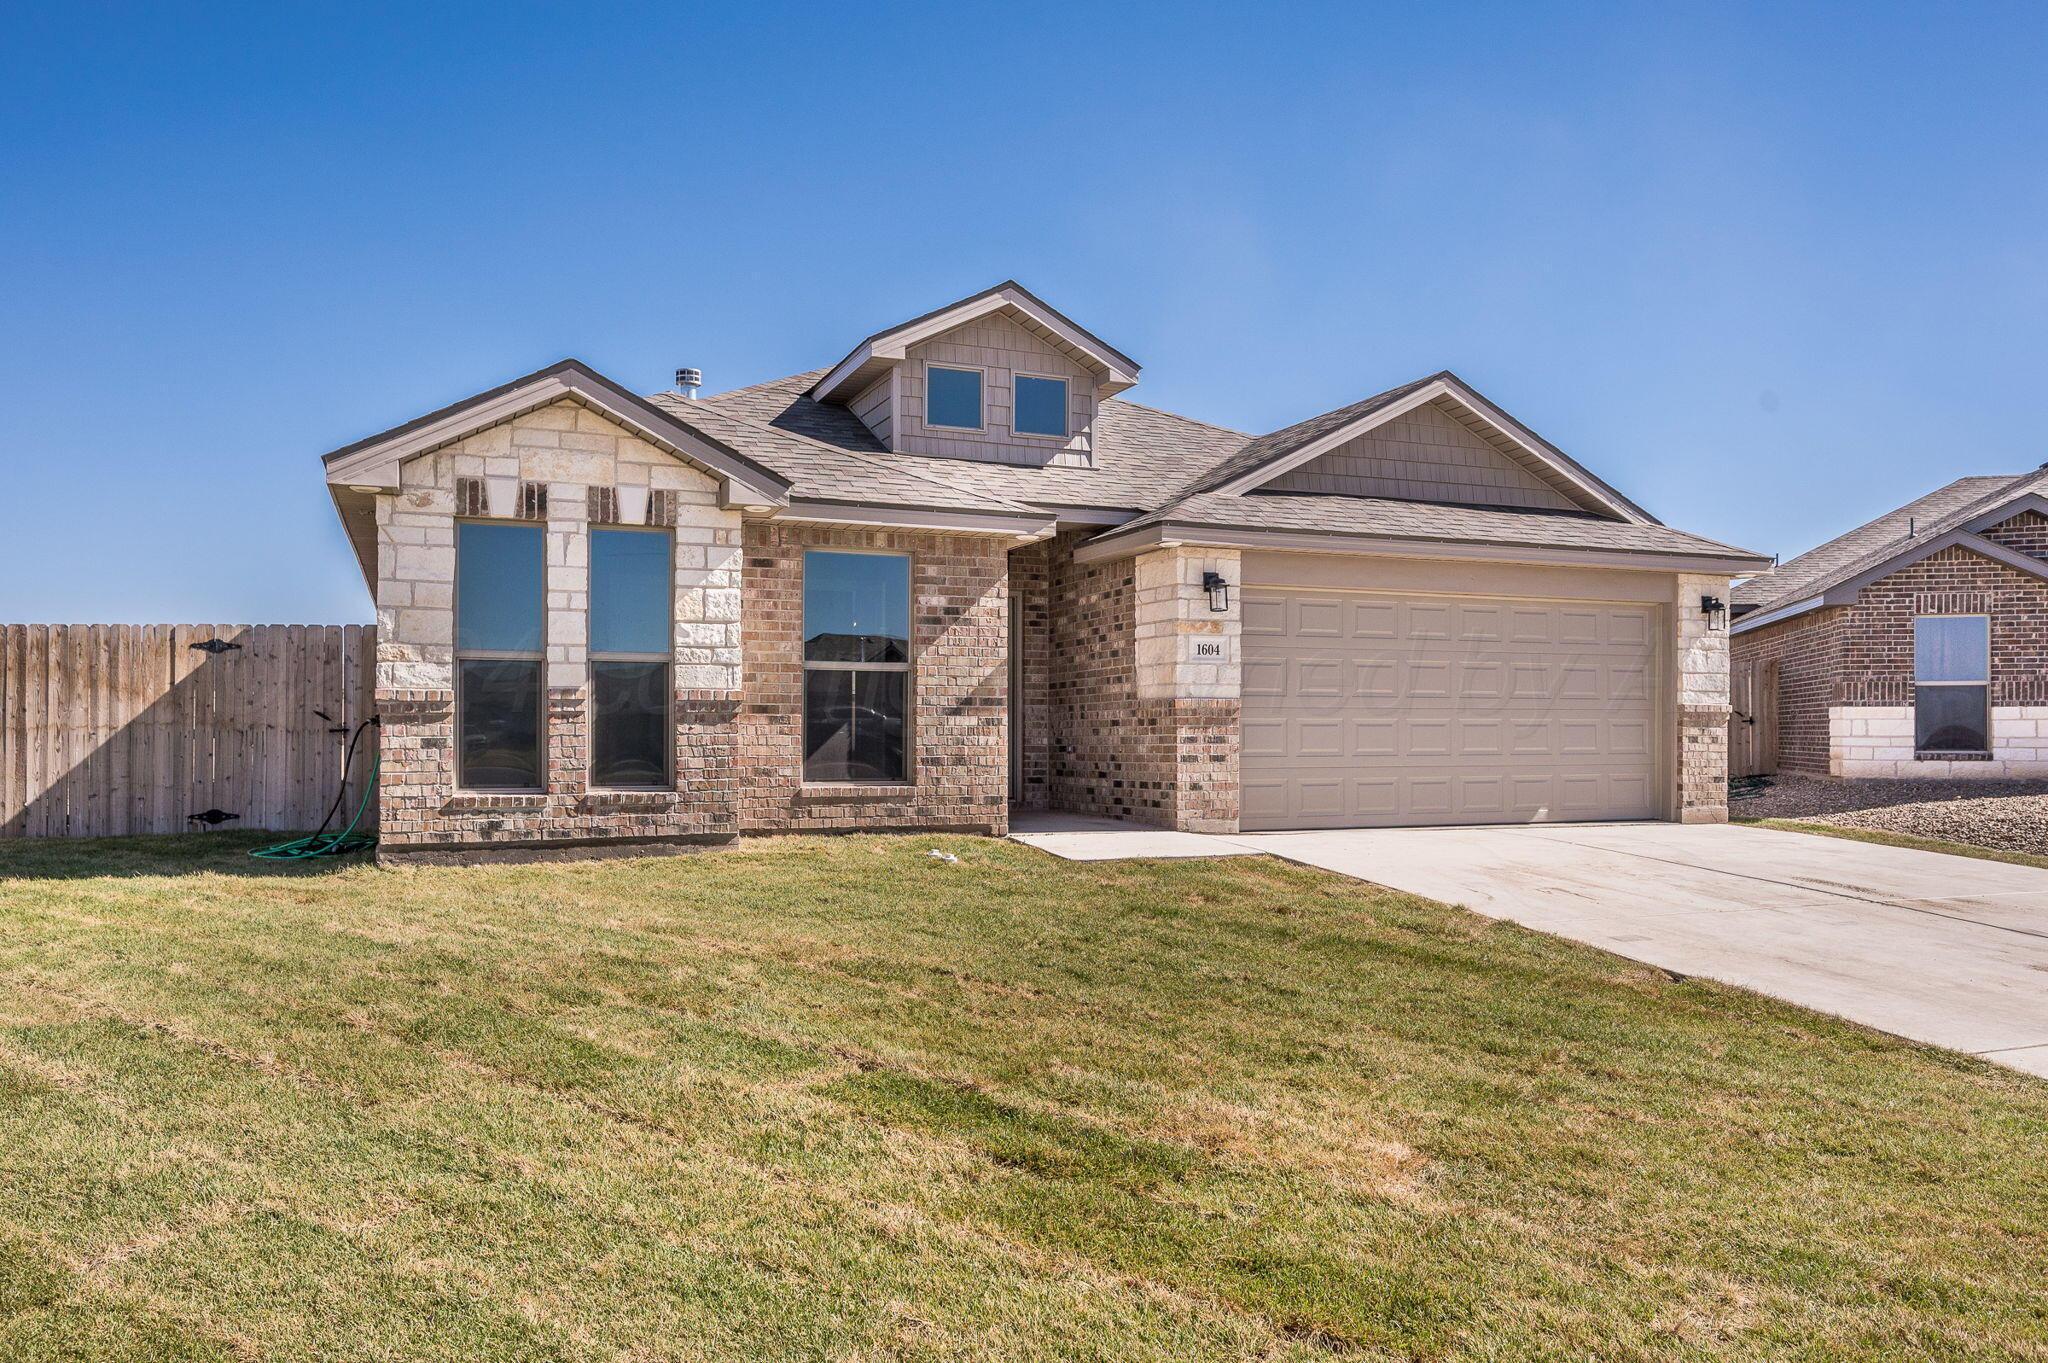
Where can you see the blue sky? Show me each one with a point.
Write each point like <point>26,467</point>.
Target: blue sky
<point>1771,270</point>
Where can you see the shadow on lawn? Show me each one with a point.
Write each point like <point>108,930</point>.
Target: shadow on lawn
<point>176,854</point>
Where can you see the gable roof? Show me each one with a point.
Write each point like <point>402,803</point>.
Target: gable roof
<point>1114,370</point>
<point>1269,456</point>
<point>1888,543</point>
<point>373,461</point>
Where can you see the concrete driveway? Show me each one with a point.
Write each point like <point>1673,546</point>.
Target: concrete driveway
<point>1942,949</point>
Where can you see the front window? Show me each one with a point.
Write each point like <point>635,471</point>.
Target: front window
<point>1041,406</point>
<point>952,397</point>
<point>630,650</point>
<point>856,666</point>
<point>1951,683</point>
<point>498,651</point>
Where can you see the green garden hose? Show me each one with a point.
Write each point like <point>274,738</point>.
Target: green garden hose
<point>325,844</point>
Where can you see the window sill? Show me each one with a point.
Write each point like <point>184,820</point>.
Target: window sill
<point>626,796</point>
<point>1961,755</point>
<point>498,799</point>
<point>854,790</point>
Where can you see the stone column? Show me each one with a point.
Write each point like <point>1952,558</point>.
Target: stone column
<point>568,639</point>
<point>1700,791</point>
<point>1188,684</point>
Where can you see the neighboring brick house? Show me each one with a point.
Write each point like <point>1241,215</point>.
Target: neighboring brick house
<point>1915,645</point>
<point>957,573</point>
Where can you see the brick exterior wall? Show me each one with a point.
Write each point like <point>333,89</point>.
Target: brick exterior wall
<point>1113,727</point>
<point>1808,651</point>
<point>1030,584</point>
<point>960,687</point>
<point>1845,684</point>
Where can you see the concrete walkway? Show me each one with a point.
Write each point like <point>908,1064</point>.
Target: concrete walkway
<point>1942,949</point>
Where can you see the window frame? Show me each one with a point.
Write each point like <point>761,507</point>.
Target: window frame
<point>1066,406</point>
<point>1984,685</point>
<point>460,655</point>
<point>593,656</point>
<point>908,667</point>
<point>981,404</point>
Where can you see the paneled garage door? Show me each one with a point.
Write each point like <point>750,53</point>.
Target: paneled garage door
<point>1366,710</point>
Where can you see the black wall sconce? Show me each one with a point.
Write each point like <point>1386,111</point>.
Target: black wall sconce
<point>1218,589</point>
<point>1716,611</point>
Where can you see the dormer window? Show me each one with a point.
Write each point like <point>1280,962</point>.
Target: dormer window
<point>1041,406</point>
<point>952,397</point>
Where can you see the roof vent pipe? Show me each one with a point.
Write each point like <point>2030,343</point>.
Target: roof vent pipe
<point>1912,522</point>
<point>688,381</point>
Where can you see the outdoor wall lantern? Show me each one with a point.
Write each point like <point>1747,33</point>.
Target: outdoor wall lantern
<point>1218,589</point>
<point>1716,611</point>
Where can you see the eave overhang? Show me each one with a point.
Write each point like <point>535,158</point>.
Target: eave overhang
<point>1169,534</point>
<point>1032,525</point>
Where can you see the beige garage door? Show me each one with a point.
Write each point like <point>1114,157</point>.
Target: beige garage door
<point>1366,710</point>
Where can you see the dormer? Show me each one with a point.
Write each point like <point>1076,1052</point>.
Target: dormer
<point>1001,377</point>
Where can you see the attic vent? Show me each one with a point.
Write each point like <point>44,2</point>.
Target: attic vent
<point>688,381</point>
<point>469,497</point>
<point>604,505</point>
<point>533,501</point>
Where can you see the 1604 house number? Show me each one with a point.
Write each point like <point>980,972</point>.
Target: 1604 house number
<point>1208,650</point>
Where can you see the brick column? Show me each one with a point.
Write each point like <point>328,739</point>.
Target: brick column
<point>1700,793</point>
<point>1188,684</point>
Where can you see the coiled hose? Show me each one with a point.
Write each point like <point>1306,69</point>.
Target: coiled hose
<point>322,843</point>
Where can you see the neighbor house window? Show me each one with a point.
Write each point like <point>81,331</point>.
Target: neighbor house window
<point>952,397</point>
<point>631,587</point>
<point>498,651</point>
<point>856,666</point>
<point>1951,683</point>
<point>1041,406</point>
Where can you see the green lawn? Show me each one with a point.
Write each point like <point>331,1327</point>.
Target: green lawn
<point>834,1099</point>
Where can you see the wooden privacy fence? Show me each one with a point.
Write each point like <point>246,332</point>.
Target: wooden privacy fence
<point>1753,719</point>
<point>112,729</point>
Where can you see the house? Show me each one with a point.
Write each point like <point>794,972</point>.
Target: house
<point>1915,645</point>
<point>957,571</point>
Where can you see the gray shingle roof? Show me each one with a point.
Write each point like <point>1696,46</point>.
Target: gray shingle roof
<point>1869,544</point>
<point>822,471</point>
<point>1141,453</point>
<point>1435,522</point>
<point>1152,463</point>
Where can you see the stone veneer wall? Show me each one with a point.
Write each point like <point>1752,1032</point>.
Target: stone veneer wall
<point>568,450</point>
<point>1189,681</point>
<point>960,686</point>
<point>1700,793</point>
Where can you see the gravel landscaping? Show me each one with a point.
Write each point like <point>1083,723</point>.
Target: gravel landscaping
<point>2010,816</point>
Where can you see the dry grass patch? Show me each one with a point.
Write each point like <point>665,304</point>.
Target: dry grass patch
<point>833,1099</point>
